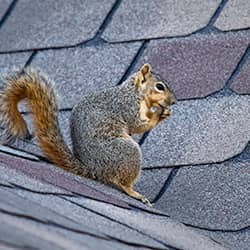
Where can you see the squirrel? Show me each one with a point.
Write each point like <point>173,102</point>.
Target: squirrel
<point>102,124</point>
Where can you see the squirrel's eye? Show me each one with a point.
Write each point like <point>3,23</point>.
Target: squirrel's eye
<point>160,87</point>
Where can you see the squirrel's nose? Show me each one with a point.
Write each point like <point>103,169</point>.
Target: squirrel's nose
<point>172,100</point>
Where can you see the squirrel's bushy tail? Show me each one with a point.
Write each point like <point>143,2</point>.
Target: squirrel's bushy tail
<point>38,90</point>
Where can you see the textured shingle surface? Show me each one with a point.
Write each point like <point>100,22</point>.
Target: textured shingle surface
<point>151,181</point>
<point>41,24</point>
<point>236,240</point>
<point>4,7</point>
<point>149,19</point>
<point>81,70</point>
<point>200,131</point>
<point>45,207</point>
<point>8,62</point>
<point>235,15</point>
<point>241,83</point>
<point>19,231</point>
<point>161,227</point>
<point>213,192</point>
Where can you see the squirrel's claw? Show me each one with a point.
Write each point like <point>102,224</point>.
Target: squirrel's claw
<point>131,192</point>
<point>146,201</point>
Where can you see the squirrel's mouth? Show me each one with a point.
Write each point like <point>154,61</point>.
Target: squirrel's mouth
<point>164,108</point>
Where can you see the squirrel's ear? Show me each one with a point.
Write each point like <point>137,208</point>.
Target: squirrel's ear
<point>143,75</point>
<point>146,70</point>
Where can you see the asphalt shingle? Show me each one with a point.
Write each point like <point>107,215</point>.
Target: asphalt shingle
<point>4,7</point>
<point>142,19</point>
<point>200,131</point>
<point>16,152</point>
<point>8,62</point>
<point>208,196</point>
<point>241,83</point>
<point>21,238</point>
<point>27,233</point>
<point>79,71</point>
<point>52,175</point>
<point>12,203</point>
<point>18,179</point>
<point>49,227</point>
<point>43,24</point>
<point>238,240</point>
<point>198,65</point>
<point>163,228</point>
<point>151,181</point>
<point>46,175</point>
<point>88,220</point>
<point>235,15</point>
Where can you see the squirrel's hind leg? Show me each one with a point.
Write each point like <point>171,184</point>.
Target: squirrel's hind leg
<point>131,192</point>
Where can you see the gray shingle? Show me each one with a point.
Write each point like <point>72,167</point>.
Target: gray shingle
<point>12,203</point>
<point>16,152</point>
<point>53,175</point>
<point>79,71</point>
<point>201,131</point>
<point>42,24</point>
<point>210,196</point>
<point>12,177</point>
<point>4,7</point>
<point>163,228</point>
<point>241,83</point>
<point>149,19</point>
<point>22,238</point>
<point>88,219</point>
<point>235,15</point>
<point>151,181</point>
<point>24,232</point>
<point>235,240</point>
<point>10,61</point>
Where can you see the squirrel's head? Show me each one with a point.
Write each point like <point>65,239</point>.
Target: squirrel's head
<point>154,89</point>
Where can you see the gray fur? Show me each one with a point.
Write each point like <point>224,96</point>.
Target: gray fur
<point>98,125</point>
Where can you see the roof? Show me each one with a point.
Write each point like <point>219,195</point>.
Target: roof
<point>196,164</point>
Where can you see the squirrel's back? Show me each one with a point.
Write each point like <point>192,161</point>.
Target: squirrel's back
<point>122,101</point>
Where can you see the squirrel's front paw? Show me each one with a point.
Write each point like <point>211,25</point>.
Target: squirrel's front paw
<point>166,113</point>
